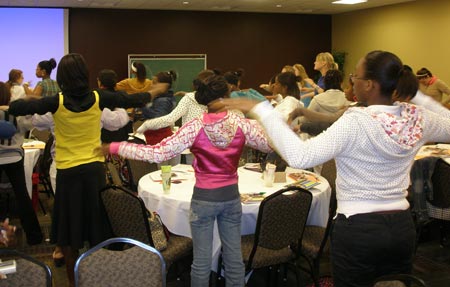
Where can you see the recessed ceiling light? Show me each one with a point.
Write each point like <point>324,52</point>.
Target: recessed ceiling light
<point>185,2</point>
<point>349,2</point>
<point>279,5</point>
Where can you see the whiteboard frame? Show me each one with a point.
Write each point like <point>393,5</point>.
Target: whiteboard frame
<point>168,56</point>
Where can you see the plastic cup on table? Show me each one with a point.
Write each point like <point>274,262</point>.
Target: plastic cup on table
<point>166,177</point>
<point>269,175</point>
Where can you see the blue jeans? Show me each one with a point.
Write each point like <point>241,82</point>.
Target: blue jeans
<point>202,217</point>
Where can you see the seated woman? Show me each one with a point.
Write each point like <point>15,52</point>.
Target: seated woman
<point>305,85</point>
<point>333,98</point>
<point>19,89</point>
<point>432,86</point>
<point>286,86</point>
<point>234,80</point>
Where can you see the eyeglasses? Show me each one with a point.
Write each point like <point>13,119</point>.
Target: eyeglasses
<point>354,77</point>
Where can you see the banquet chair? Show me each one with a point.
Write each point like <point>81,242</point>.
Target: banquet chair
<point>139,265</point>
<point>30,272</point>
<point>279,230</point>
<point>399,280</point>
<point>128,217</point>
<point>136,168</point>
<point>40,135</point>
<point>113,174</point>
<point>316,238</point>
<point>44,166</point>
<point>439,206</point>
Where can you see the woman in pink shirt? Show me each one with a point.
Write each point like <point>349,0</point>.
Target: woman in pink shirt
<point>216,140</point>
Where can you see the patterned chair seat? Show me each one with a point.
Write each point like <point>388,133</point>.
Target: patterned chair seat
<point>29,271</point>
<point>312,236</point>
<point>177,248</point>
<point>140,265</point>
<point>264,256</point>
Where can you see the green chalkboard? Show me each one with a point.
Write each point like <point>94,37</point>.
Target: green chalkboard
<point>186,66</point>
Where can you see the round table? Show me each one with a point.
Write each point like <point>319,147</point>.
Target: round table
<point>174,207</point>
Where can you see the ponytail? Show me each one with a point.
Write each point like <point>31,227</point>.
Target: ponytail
<point>407,84</point>
<point>166,77</point>
<point>48,66</point>
<point>390,73</point>
<point>141,71</point>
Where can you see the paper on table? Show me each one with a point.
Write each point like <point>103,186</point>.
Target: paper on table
<point>33,145</point>
<point>252,198</point>
<point>304,180</point>
<point>253,167</point>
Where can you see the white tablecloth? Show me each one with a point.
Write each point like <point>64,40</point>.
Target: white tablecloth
<point>29,161</point>
<point>174,207</point>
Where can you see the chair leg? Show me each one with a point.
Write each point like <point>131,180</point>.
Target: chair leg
<point>443,228</point>
<point>296,270</point>
<point>285,271</point>
<point>42,207</point>
<point>316,272</point>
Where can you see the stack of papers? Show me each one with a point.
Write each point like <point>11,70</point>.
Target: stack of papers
<point>252,197</point>
<point>304,180</point>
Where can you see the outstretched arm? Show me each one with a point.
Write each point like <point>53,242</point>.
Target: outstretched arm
<point>165,150</point>
<point>180,110</point>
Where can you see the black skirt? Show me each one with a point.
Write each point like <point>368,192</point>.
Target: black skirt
<point>79,214</point>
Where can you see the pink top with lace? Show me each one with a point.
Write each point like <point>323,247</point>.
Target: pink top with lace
<point>216,140</point>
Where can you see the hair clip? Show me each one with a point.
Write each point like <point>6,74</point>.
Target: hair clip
<point>133,67</point>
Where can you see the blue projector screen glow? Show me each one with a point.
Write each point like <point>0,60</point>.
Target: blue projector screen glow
<point>30,35</point>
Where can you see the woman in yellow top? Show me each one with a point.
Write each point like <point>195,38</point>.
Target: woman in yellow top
<point>139,83</point>
<point>78,214</point>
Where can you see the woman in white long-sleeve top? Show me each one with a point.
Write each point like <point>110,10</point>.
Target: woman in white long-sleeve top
<point>374,148</point>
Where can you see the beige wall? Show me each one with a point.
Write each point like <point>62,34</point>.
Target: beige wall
<point>418,32</point>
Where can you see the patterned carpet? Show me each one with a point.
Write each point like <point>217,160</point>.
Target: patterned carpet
<point>432,261</point>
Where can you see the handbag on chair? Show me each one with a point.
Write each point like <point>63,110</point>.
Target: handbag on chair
<point>160,234</point>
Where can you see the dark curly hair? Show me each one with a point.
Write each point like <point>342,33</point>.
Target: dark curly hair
<point>212,88</point>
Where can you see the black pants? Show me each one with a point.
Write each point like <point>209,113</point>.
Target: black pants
<point>366,246</point>
<point>28,218</point>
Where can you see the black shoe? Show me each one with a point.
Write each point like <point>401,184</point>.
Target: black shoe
<point>59,261</point>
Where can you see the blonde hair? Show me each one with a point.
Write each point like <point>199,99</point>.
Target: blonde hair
<point>301,72</point>
<point>328,59</point>
<point>288,68</point>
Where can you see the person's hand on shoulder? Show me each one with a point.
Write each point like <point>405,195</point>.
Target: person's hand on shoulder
<point>298,112</point>
<point>180,94</point>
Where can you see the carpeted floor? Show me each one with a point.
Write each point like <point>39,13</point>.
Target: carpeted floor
<point>432,261</point>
